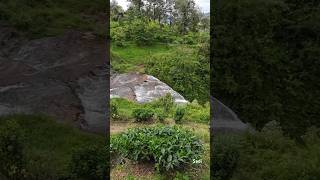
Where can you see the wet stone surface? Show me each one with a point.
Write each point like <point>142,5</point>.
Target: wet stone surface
<point>65,77</point>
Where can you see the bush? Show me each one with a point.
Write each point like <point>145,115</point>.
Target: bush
<point>180,112</point>
<point>12,160</point>
<point>197,113</point>
<point>142,114</point>
<point>169,147</point>
<point>225,155</point>
<point>181,66</point>
<point>166,102</point>
<point>161,116</point>
<point>90,162</point>
<point>114,110</point>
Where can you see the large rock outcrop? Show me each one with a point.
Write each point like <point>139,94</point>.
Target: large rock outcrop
<point>141,88</point>
<point>65,77</point>
<point>224,120</point>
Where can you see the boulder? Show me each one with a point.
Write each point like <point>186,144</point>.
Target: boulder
<point>224,120</point>
<point>66,77</point>
<point>141,88</point>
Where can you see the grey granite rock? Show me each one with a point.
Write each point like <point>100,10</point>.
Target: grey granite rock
<point>141,88</point>
<point>224,120</point>
<point>65,77</point>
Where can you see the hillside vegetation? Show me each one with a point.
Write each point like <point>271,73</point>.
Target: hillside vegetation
<point>37,147</point>
<point>266,62</point>
<point>41,18</point>
<point>266,67</point>
<point>160,139</point>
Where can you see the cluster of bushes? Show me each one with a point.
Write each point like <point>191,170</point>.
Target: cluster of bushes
<point>184,65</point>
<point>141,32</point>
<point>170,148</point>
<point>160,109</point>
<point>145,32</point>
<point>29,150</point>
<point>268,154</point>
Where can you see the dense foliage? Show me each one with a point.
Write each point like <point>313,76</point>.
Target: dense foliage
<point>148,21</point>
<point>268,154</point>
<point>40,18</point>
<point>266,61</point>
<point>12,158</point>
<point>142,114</point>
<point>180,112</point>
<point>186,71</point>
<point>169,147</point>
<point>89,163</point>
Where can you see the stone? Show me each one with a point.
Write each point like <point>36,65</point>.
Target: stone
<point>141,88</point>
<point>65,77</point>
<point>224,120</point>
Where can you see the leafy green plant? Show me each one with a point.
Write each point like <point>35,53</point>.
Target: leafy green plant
<point>89,162</point>
<point>12,158</point>
<point>169,147</point>
<point>114,110</point>
<point>142,114</point>
<point>179,114</point>
<point>161,116</point>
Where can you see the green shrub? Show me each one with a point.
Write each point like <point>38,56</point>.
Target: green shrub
<point>165,102</point>
<point>114,110</point>
<point>197,113</point>
<point>12,159</point>
<point>182,65</point>
<point>169,147</point>
<point>179,114</point>
<point>118,36</point>
<point>161,116</point>
<point>142,114</point>
<point>225,155</point>
<point>90,162</point>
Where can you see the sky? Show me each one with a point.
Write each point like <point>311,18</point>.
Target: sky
<point>203,4</point>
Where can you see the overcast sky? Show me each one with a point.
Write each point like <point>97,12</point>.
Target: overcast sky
<point>203,4</point>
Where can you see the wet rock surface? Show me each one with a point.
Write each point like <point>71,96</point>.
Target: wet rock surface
<point>65,77</point>
<point>224,120</point>
<point>141,88</point>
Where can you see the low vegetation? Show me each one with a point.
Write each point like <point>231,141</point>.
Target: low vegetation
<point>159,110</point>
<point>170,148</point>
<point>268,154</point>
<point>36,147</point>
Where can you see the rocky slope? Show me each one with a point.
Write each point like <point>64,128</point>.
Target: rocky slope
<point>66,77</point>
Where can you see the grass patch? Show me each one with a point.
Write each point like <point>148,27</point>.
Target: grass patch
<point>49,145</point>
<point>132,58</point>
